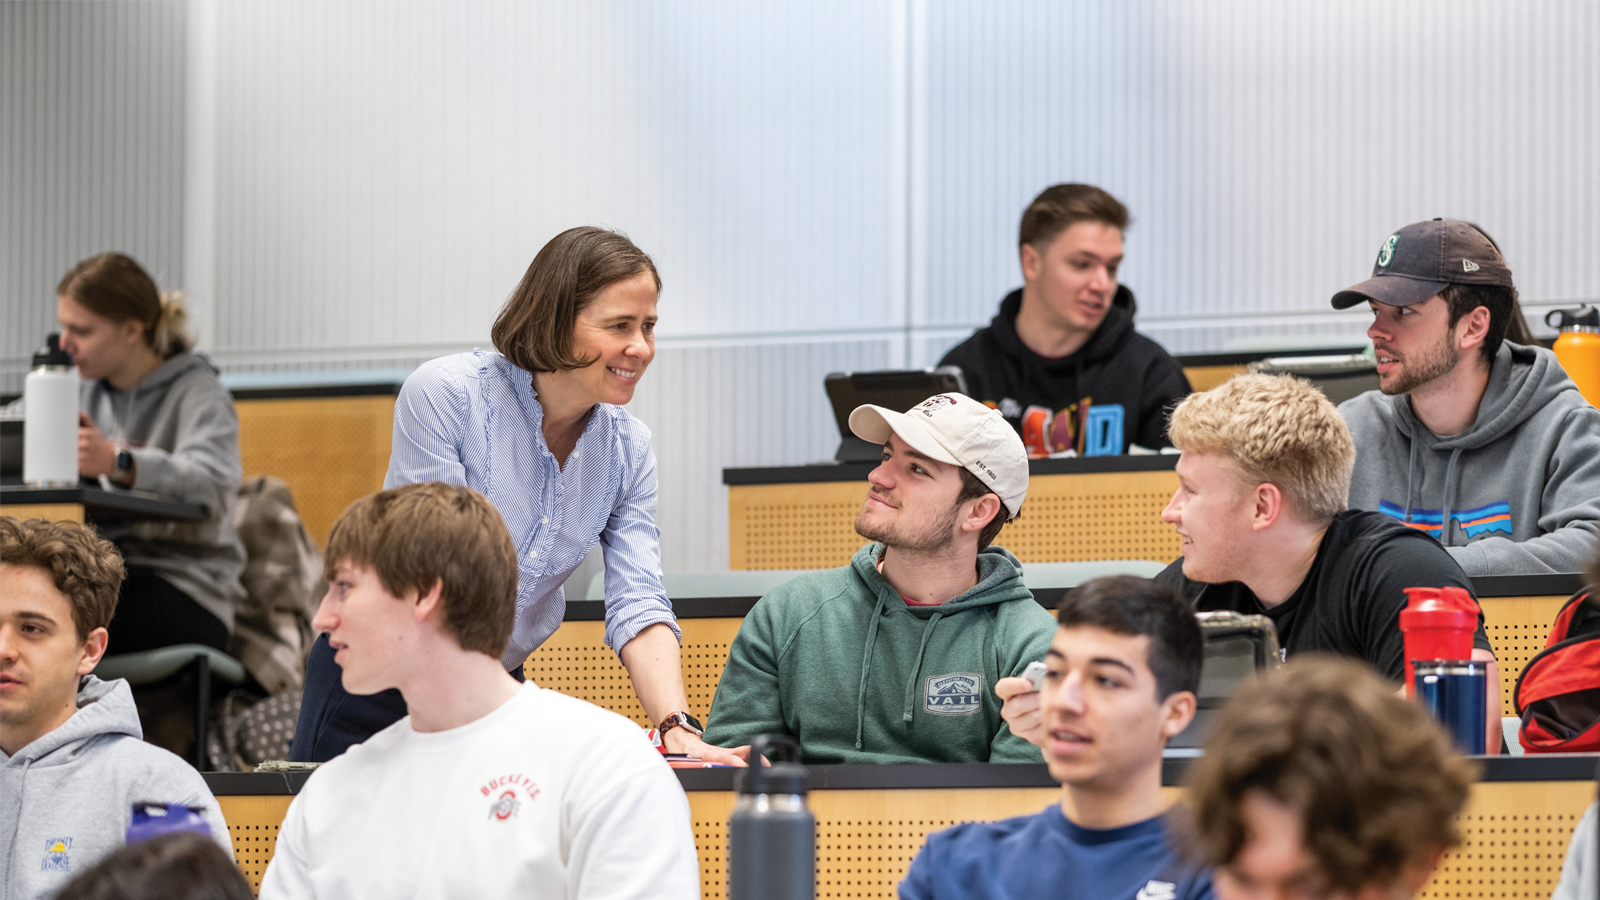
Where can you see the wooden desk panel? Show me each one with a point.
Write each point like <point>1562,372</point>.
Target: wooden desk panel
<point>52,512</point>
<point>1516,834</point>
<point>1066,518</point>
<point>576,661</point>
<point>1518,628</point>
<point>1204,378</point>
<point>330,450</point>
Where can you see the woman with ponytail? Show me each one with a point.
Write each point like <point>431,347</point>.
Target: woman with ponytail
<point>154,417</point>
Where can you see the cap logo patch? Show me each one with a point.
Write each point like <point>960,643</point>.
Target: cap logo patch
<point>935,403</point>
<point>1386,252</point>
<point>1468,265</point>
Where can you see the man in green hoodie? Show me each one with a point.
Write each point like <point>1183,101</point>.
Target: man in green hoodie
<point>893,658</point>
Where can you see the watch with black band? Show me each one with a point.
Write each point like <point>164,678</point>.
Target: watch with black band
<point>124,471</point>
<point>680,720</point>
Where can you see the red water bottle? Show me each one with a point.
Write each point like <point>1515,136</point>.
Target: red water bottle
<point>1438,623</point>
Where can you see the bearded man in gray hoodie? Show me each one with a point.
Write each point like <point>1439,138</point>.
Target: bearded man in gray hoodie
<point>72,763</point>
<point>1484,444</point>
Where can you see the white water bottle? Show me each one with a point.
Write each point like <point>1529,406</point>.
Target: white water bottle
<point>50,429</point>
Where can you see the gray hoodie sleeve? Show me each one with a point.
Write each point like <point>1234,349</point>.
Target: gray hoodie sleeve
<point>1569,510</point>
<point>203,467</point>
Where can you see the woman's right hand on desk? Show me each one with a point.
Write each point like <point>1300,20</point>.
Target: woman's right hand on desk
<point>1021,709</point>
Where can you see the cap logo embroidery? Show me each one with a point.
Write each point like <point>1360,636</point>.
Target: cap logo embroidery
<point>1468,265</point>
<point>1386,252</point>
<point>935,403</point>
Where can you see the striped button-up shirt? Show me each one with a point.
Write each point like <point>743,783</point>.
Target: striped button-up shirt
<point>472,419</point>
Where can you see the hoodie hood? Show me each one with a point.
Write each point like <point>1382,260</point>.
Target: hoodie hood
<point>1521,381</point>
<point>999,581</point>
<point>104,707</point>
<point>67,798</point>
<point>1517,492</point>
<point>1107,341</point>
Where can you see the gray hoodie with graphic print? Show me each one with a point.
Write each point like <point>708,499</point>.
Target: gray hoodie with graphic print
<point>183,433</point>
<point>1517,493</point>
<point>67,798</point>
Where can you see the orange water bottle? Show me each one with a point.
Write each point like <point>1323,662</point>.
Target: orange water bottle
<point>1578,347</point>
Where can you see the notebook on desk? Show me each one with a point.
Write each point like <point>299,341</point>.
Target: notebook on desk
<point>896,389</point>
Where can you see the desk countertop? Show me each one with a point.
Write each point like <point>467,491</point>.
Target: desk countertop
<point>938,776</point>
<point>832,471</point>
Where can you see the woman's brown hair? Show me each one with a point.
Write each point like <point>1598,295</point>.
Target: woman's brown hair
<point>534,329</point>
<point>114,287</point>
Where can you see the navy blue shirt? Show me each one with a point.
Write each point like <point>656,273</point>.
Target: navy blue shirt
<point>1045,855</point>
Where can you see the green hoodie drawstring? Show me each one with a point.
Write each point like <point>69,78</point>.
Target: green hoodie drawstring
<point>916,666</point>
<point>866,666</point>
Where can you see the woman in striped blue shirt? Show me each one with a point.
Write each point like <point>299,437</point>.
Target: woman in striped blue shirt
<point>538,427</point>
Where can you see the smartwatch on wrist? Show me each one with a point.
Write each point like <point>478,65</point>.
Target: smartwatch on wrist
<point>680,720</point>
<point>124,472</point>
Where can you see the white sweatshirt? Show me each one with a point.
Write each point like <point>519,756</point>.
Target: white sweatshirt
<point>547,796</point>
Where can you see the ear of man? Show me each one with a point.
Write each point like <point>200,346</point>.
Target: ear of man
<point>1032,263</point>
<point>1268,506</point>
<point>981,512</point>
<point>94,647</point>
<point>1472,329</point>
<point>1177,711</point>
<point>429,605</point>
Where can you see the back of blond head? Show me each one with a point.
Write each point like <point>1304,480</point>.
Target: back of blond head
<point>1278,429</point>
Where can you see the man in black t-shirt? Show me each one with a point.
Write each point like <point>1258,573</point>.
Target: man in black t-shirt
<point>1261,503</point>
<point>1061,360</point>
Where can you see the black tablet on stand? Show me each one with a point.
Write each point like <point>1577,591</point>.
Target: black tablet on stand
<point>896,389</point>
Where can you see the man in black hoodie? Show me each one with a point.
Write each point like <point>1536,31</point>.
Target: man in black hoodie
<point>1061,361</point>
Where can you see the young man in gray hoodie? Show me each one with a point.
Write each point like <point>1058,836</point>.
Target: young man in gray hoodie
<point>72,762</point>
<point>1484,444</point>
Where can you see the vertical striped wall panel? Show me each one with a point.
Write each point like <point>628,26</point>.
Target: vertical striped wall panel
<point>91,153</point>
<point>1264,149</point>
<point>829,185</point>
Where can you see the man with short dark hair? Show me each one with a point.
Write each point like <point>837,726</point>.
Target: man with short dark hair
<point>487,788</point>
<point>72,758</point>
<point>1484,444</point>
<point>1061,360</point>
<point>1120,681</point>
<point>1276,819</point>
<point>892,658</point>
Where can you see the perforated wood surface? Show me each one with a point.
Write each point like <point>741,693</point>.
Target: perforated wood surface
<point>576,661</point>
<point>865,839</point>
<point>1516,838</point>
<point>51,512</point>
<point>1204,378</point>
<point>330,450</point>
<point>1518,628</point>
<point>1065,518</point>
<point>253,822</point>
<point>1516,835</point>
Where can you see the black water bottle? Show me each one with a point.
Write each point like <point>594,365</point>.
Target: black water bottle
<point>772,835</point>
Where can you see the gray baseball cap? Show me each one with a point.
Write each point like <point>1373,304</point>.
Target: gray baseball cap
<point>1422,259</point>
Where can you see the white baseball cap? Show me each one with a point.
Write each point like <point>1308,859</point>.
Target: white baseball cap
<point>956,429</point>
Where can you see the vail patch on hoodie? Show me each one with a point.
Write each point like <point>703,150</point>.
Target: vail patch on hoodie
<point>956,694</point>
<point>1485,519</point>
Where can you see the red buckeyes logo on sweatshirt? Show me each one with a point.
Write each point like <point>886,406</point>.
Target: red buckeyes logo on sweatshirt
<point>507,794</point>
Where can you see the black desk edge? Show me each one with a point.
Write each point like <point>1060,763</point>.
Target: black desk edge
<point>828,471</point>
<point>379,389</point>
<point>738,607</point>
<point>100,503</point>
<point>937,776</point>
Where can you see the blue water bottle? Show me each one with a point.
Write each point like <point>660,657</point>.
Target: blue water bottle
<point>1453,690</point>
<point>155,819</point>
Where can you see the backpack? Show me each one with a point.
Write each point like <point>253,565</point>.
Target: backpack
<point>282,580</point>
<point>1558,693</point>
